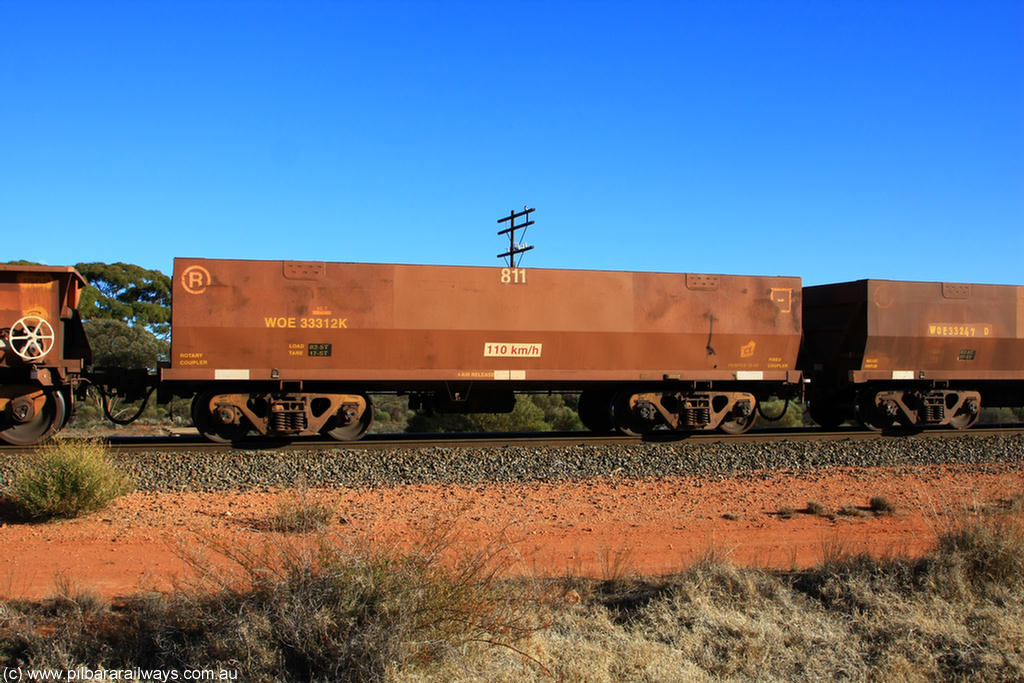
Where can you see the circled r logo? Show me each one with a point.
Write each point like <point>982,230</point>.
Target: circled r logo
<point>195,279</point>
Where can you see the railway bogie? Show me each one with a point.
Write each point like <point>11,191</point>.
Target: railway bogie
<point>228,415</point>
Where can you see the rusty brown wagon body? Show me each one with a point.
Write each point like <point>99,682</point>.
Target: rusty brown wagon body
<point>912,352</point>
<point>43,349</point>
<point>292,347</point>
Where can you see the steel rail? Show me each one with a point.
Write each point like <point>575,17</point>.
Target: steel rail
<point>189,440</point>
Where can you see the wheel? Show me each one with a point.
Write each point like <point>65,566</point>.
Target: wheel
<point>622,416</point>
<point>595,411</point>
<point>826,414</point>
<point>738,424</point>
<point>31,337</point>
<point>354,430</point>
<point>965,418</point>
<point>209,427</point>
<point>40,426</point>
<point>869,416</point>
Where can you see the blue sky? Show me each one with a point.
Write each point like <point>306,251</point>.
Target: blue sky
<point>830,140</point>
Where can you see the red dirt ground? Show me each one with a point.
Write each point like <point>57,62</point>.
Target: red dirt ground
<point>593,528</point>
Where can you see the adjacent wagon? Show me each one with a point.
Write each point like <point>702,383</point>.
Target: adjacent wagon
<point>43,350</point>
<point>913,353</point>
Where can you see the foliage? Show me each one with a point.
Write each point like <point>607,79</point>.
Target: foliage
<point>67,478</point>
<point>527,416</point>
<point>794,416</point>
<point>115,343</point>
<point>298,612</point>
<point>325,613</point>
<point>559,411</point>
<point>390,413</point>
<point>123,291</point>
<point>1002,415</point>
<point>299,513</point>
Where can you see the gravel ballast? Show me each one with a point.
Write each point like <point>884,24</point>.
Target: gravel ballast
<point>333,467</point>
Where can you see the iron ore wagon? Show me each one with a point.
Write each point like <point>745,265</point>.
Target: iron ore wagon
<point>293,348</point>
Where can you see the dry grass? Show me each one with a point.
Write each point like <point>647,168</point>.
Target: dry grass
<point>298,512</point>
<point>881,505</point>
<point>323,613</point>
<point>817,509</point>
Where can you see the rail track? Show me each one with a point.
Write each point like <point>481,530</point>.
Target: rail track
<point>189,440</point>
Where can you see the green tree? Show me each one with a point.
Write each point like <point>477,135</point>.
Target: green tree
<point>115,343</point>
<point>559,411</point>
<point>527,416</point>
<point>123,291</point>
<point>793,417</point>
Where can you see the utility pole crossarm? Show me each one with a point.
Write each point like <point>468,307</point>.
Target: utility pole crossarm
<point>513,247</point>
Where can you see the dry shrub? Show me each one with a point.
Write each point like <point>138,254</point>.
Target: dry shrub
<point>881,505</point>
<point>817,509</point>
<point>298,512</point>
<point>67,478</point>
<point>309,610</point>
<point>987,548</point>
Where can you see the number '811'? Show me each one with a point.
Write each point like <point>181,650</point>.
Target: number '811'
<point>513,276</point>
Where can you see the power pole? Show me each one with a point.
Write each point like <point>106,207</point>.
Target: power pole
<point>513,246</point>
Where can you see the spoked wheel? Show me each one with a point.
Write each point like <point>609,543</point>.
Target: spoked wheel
<point>32,337</point>
<point>354,430</point>
<point>210,427</point>
<point>22,424</point>
<point>738,424</point>
<point>595,411</point>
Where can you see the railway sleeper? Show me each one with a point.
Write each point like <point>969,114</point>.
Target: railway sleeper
<point>229,417</point>
<point>958,409</point>
<point>732,412</point>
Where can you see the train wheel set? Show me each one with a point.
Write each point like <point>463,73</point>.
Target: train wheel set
<point>283,349</point>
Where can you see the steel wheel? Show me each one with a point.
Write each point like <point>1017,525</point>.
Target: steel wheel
<point>869,416</point>
<point>738,424</point>
<point>964,419</point>
<point>40,426</point>
<point>595,411</point>
<point>354,430</point>
<point>622,416</point>
<point>827,415</point>
<point>208,425</point>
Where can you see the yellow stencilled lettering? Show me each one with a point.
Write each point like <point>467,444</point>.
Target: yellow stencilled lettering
<point>323,323</point>
<point>783,298</point>
<point>959,329</point>
<point>513,276</point>
<point>309,323</point>
<point>191,359</point>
